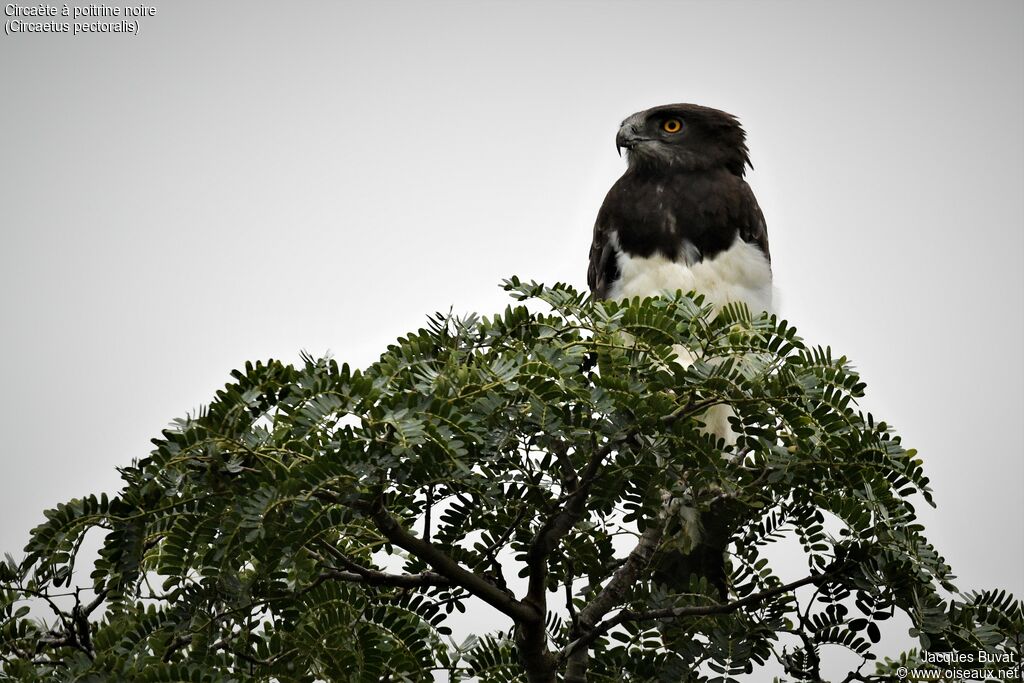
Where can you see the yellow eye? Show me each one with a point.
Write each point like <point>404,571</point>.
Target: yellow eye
<point>672,126</point>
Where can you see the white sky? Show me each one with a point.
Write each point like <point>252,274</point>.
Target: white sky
<point>245,180</point>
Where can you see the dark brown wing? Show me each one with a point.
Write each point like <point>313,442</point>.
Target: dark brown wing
<point>604,269</point>
<point>753,228</point>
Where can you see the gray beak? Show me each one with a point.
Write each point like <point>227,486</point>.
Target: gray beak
<point>627,137</point>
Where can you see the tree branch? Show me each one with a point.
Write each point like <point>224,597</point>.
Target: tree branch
<point>429,503</point>
<point>372,577</point>
<point>577,652</point>
<point>101,595</point>
<point>558,525</point>
<point>449,568</point>
<point>531,638</point>
<point>570,481</point>
<point>700,610</point>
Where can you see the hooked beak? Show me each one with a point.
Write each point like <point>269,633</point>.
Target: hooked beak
<point>627,137</point>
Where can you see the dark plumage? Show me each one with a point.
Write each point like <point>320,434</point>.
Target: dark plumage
<point>682,217</point>
<point>683,196</point>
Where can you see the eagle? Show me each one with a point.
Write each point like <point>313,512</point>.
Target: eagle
<point>682,217</point>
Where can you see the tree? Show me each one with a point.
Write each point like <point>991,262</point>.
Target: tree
<point>320,523</point>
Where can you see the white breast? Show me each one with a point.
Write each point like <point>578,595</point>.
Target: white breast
<point>740,273</point>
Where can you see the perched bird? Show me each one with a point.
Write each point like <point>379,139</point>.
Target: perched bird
<point>682,218</point>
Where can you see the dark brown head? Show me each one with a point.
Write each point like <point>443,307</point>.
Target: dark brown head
<point>685,137</point>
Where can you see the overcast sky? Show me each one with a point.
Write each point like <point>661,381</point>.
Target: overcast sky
<point>247,180</point>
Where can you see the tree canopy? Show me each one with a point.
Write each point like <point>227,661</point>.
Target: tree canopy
<point>317,522</point>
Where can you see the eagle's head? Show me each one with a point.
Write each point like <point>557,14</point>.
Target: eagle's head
<point>685,137</point>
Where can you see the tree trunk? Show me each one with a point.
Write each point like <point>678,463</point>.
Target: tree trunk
<point>538,662</point>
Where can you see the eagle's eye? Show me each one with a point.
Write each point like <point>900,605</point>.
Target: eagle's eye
<point>672,125</point>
